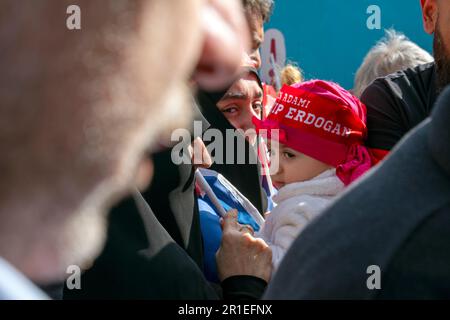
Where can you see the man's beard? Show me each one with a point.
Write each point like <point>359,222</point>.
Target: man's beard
<point>442,61</point>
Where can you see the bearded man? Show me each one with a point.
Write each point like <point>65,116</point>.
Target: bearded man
<point>399,102</point>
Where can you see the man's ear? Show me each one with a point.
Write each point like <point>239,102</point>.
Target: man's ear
<point>429,15</point>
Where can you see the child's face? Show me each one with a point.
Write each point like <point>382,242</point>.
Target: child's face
<point>293,166</point>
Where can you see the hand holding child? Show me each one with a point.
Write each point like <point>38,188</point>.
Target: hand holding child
<point>240,253</point>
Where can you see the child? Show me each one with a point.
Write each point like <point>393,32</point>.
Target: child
<point>322,129</point>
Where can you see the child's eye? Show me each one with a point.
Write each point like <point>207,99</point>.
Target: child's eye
<point>257,107</point>
<point>288,154</point>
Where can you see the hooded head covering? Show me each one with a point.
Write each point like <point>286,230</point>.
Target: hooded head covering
<point>324,121</point>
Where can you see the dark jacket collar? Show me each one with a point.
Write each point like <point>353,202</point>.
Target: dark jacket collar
<point>439,135</point>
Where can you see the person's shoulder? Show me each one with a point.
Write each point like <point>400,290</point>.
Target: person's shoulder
<point>427,242</point>
<point>360,224</point>
<point>404,80</point>
<point>420,73</point>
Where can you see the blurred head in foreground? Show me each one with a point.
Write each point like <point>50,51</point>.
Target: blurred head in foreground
<point>80,108</point>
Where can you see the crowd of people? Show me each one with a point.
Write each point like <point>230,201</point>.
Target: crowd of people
<point>345,179</point>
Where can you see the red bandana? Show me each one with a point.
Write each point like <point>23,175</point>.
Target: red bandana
<point>324,121</point>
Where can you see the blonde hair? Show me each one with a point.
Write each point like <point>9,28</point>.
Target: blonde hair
<point>290,75</point>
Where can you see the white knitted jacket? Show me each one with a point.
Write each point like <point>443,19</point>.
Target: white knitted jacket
<point>297,204</point>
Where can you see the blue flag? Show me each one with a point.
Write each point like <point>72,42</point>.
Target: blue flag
<point>229,198</point>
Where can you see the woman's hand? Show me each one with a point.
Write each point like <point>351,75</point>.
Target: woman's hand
<point>200,156</point>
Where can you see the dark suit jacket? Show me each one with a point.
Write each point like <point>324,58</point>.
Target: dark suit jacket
<point>397,218</point>
<point>141,261</point>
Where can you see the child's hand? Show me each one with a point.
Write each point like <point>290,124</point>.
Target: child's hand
<point>240,253</point>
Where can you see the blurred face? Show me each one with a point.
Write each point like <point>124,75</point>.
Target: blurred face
<point>242,102</point>
<point>80,109</point>
<point>256,26</point>
<point>293,166</point>
<point>436,15</point>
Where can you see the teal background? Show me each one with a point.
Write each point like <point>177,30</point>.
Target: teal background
<point>329,38</point>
